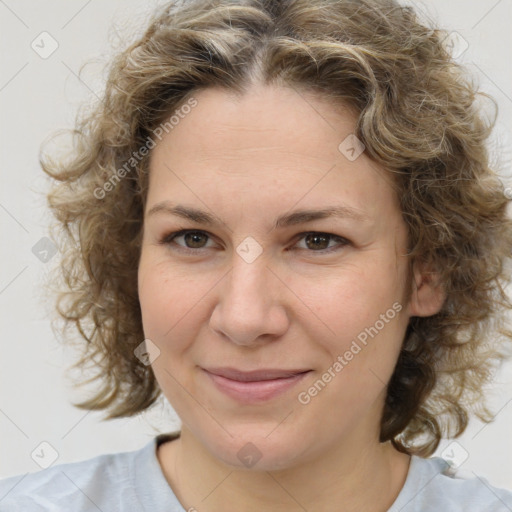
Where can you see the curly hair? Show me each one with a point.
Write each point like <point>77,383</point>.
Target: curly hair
<point>418,118</point>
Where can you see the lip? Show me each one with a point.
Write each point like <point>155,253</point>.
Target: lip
<point>254,386</point>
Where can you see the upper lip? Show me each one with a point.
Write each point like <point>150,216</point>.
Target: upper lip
<point>255,375</point>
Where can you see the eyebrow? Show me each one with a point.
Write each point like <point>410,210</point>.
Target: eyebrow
<point>288,219</point>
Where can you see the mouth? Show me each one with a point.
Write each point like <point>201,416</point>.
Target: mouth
<point>254,386</point>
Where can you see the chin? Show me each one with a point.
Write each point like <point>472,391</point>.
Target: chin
<point>257,448</point>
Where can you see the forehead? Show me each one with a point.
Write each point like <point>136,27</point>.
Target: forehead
<point>276,143</point>
<point>263,118</point>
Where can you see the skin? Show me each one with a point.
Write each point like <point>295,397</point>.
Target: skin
<point>248,160</point>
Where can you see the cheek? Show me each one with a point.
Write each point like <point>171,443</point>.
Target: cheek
<point>154,298</point>
<point>170,301</point>
<point>361,320</point>
<point>352,298</point>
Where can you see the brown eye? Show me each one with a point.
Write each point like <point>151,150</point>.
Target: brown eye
<point>191,239</point>
<point>321,242</point>
<point>195,239</point>
<point>317,241</point>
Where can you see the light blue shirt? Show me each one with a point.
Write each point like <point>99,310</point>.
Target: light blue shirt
<point>133,481</point>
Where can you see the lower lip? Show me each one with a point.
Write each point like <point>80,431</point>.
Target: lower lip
<point>257,391</point>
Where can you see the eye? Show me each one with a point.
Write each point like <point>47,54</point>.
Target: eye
<point>319,242</point>
<point>195,240</point>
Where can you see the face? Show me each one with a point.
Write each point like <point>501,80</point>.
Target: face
<point>280,336</point>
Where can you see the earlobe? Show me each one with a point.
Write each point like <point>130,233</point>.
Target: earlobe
<point>428,293</point>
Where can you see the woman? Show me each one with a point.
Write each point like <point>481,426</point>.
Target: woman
<point>282,217</point>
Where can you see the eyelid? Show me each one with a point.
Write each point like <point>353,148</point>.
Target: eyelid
<point>168,238</point>
<point>342,241</point>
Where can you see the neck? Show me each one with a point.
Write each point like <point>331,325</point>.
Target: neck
<point>360,476</point>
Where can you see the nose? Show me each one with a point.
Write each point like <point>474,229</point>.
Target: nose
<point>250,308</point>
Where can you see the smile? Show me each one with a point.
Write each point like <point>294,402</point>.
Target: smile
<point>256,386</point>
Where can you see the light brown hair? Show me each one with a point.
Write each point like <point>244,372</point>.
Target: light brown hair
<point>417,117</point>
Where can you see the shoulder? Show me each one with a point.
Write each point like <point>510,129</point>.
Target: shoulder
<point>432,485</point>
<point>82,486</point>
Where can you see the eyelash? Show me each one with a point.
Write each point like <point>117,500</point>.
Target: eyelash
<point>169,238</point>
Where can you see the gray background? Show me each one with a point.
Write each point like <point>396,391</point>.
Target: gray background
<point>40,95</point>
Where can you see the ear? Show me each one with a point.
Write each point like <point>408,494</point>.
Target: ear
<point>427,294</point>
